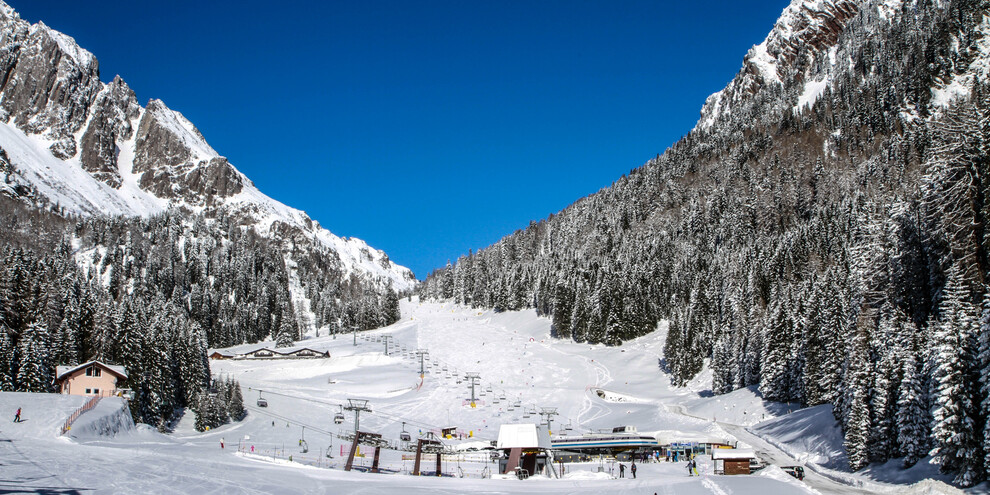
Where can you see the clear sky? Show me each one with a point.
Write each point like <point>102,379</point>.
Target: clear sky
<point>426,128</point>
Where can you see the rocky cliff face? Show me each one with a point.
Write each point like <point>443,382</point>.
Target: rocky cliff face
<point>174,160</point>
<point>137,161</point>
<point>804,33</point>
<point>114,109</point>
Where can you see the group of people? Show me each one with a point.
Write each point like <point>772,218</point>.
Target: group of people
<point>692,467</point>
<point>632,469</point>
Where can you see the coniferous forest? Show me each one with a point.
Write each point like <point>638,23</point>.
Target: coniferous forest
<point>834,253</point>
<point>152,295</point>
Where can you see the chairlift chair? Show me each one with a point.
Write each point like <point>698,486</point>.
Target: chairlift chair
<point>261,400</point>
<point>339,417</point>
<point>404,435</point>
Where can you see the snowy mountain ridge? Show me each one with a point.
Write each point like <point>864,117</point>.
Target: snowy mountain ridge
<point>805,31</point>
<point>89,148</point>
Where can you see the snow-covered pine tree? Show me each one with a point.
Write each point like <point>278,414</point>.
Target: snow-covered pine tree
<point>235,404</point>
<point>856,427</point>
<point>956,442</point>
<point>888,355</point>
<point>913,419</point>
<point>34,372</point>
<point>563,308</point>
<point>775,381</point>
<point>8,360</point>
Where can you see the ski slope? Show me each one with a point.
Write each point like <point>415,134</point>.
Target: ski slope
<point>591,386</point>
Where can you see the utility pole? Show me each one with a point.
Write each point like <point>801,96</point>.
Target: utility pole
<point>357,405</point>
<point>473,377</point>
<point>422,353</point>
<point>549,412</point>
<point>386,339</point>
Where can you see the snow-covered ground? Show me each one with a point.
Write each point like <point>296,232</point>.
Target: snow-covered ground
<point>591,386</point>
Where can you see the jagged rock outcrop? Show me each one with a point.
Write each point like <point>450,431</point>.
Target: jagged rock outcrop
<point>175,161</point>
<point>805,31</point>
<point>114,109</point>
<point>48,82</point>
<point>136,161</point>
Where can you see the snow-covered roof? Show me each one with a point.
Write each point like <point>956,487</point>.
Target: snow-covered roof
<point>525,436</point>
<point>733,454</point>
<point>64,371</point>
<point>667,437</point>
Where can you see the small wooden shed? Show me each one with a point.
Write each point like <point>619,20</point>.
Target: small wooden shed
<point>732,461</point>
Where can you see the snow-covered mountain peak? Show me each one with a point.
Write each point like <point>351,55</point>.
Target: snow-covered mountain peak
<point>183,130</point>
<point>68,45</point>
<point>91,149</point>
<point>7,11</point>
<point>805,30</point>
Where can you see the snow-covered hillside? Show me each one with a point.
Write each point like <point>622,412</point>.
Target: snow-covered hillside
<point>91,149</point>
<point>592,387</point>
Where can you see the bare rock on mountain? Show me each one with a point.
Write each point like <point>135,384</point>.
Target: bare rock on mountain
<point>805,31</point>
<point>175,161</point>
<point>114,109</point>
<point>49,83</point>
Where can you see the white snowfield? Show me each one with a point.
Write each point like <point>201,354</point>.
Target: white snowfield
<point>592,387</point>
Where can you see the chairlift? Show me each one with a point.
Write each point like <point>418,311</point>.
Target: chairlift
<point>302,441</point>
<point>261,400</point>
<point>404,435</point>
<point>339,417</point>
<point>488,389</point>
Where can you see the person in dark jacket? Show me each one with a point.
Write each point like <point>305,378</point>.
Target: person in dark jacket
<point>632,469</point>
<point>622,470</point>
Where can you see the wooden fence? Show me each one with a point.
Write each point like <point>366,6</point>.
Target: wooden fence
<point>91,403</point>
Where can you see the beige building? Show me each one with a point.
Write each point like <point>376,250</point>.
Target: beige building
<point>92,378</point>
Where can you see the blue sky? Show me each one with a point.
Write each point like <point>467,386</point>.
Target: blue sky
<point>426,128</point>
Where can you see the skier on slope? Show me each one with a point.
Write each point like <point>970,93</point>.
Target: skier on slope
<point>690,473</point>
<point>17,417</point>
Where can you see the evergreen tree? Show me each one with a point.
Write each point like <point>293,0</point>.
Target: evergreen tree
<point>954,431</point>
<point>8,359</point>
<point>35,370</point>
<point>856,427</point>
<point>913,419</point>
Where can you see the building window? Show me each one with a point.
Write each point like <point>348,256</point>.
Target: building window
<point>92,371</point>
<point>89,391</point>
<point>96,391</point>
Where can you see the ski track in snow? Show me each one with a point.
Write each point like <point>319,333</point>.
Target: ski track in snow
<point>512,352</point>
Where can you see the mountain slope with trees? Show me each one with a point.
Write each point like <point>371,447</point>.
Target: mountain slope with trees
<point>127,238</point>
<point>821,233</point>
